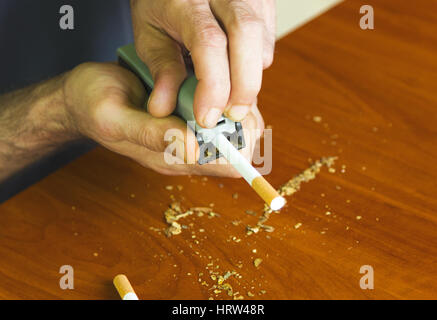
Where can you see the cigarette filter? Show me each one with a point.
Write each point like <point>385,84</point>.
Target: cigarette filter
<point>124,288</point>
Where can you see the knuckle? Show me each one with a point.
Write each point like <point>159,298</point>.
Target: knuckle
<point>86,69</point>
<point>104,112</point>
<point>154,61</point>
<point>160,63</point>
<point>219,89</point>
<point>145,137</point>
<point>212,36</point>
<point>148,137</point>
<point>243,18</point>
<point>269,50</point>
<point>267,58</point>
<point>247,24</point>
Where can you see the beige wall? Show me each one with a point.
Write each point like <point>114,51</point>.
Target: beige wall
<point>293,13</point>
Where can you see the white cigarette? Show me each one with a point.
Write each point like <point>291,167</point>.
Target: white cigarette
<point>124,288</point>
<point>249,173</point>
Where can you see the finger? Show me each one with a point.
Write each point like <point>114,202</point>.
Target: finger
<point>126,121</point>
<point>260,125</point>
<point>250,129</point>
<point>157,134</point>
<point>269,13</point>
<point>163,57</point>
<point>221,166</point>
<point>156,161</point>
<point>207,42</point>
<point>245,30</point>
<point>151,159</point>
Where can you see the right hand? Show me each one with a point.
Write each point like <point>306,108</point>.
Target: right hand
<point>230,43</point>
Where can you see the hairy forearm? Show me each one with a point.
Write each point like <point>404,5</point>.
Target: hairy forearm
<point>33,122</point>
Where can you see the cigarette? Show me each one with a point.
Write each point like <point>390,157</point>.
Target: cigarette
<point>249,173</point>
<point>124,288</point>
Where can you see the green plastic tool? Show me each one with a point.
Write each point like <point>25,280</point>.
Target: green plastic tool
<point>233,131</point>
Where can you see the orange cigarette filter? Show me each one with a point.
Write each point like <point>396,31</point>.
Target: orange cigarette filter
<point>124,288</point>
<point>268,193</point>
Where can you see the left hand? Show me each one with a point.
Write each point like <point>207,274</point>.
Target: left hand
<point>104,102</point>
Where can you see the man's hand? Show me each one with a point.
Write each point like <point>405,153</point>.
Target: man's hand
<point>230,43</point>
<point>105,103</point>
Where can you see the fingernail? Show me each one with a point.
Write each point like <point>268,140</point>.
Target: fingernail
<point>238,113</point>
<point>211,118</point>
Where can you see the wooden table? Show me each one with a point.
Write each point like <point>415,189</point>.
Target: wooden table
<point>376,94</point>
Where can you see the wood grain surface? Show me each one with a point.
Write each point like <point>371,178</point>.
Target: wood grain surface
<point>375,92</point>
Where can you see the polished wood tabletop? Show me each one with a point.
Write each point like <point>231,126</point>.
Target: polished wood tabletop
<point>368,97</point>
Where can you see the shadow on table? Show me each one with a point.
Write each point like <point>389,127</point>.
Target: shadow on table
<point>42,168</point>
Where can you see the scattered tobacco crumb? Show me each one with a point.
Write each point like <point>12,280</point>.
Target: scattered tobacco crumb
<point>289,188</point>
<point>221,282</point>
<point>317,119</point>
<point>250,212</point>
<point>257,262</point>
<point>175,212</point>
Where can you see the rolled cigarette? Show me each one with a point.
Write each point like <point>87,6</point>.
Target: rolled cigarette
<point>124,288</point>
<point>249,173</point>
<point>268,193</point>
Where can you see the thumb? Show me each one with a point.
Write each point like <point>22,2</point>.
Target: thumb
<point>164,58</point>
<point>156,134</point>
